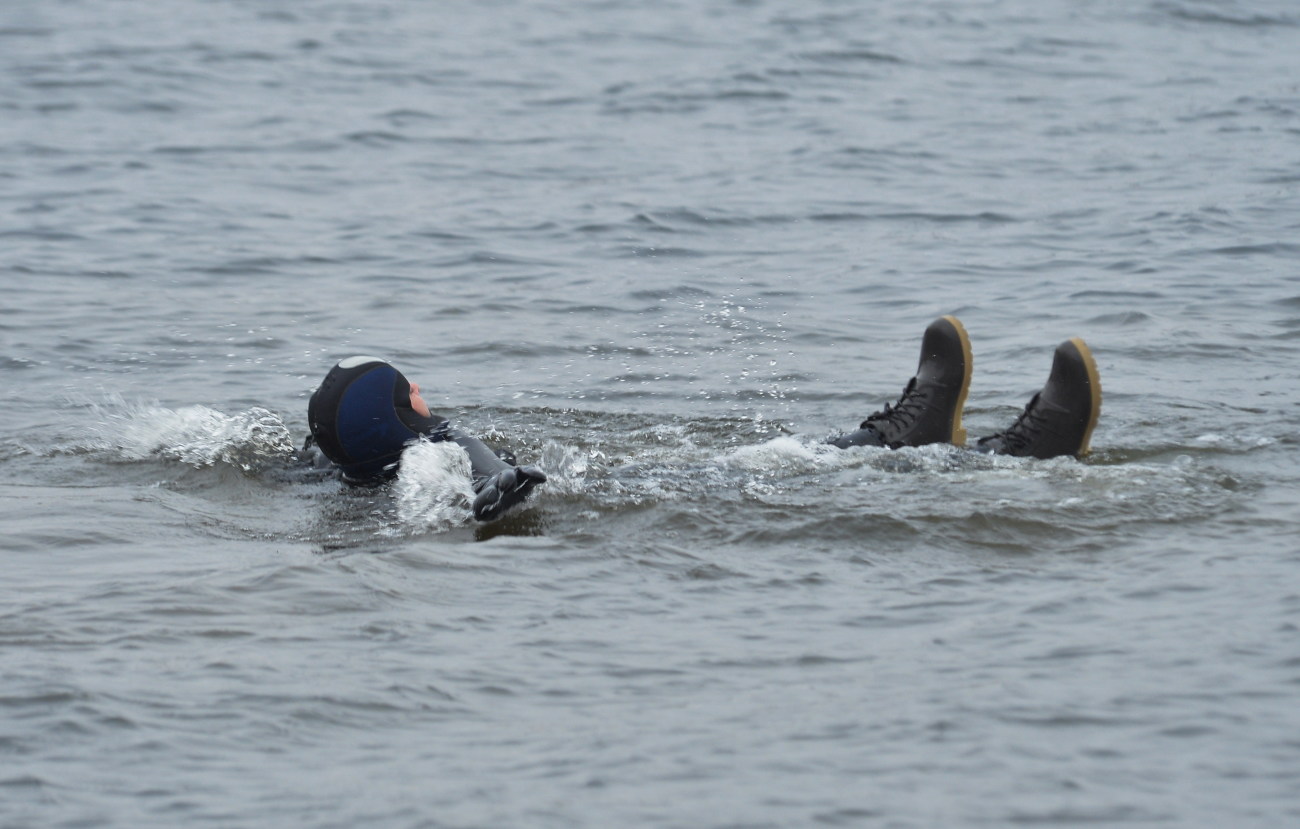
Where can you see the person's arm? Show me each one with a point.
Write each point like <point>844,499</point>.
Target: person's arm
<point>499,485</point>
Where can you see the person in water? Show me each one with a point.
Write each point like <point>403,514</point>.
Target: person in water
<point>366,412</point>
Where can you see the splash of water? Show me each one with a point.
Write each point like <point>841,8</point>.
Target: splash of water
<point>196,435</point>
<point>433,489</point>
<point>784,456</point>
<point>568,468</point>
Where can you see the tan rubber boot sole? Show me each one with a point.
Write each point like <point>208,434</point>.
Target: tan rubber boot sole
<point>1094,389</point>
<point>958,437</point>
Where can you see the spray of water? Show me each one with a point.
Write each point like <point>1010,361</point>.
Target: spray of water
<point>195,435</point>
<point>433,489</point>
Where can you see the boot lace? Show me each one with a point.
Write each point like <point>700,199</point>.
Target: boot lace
<point>901,414</point>
<point>1024,430</point>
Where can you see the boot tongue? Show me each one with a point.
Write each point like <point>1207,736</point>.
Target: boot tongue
<point>1044,401</point>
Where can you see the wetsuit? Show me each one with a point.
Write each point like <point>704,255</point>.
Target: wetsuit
<point>361,419</point>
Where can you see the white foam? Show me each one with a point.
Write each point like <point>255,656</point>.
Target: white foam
<point>567,467</point>
<point>1235,441</point>
<point>789,456</point>
<point>784,454</point>
<point>433,489</point>
<point>196,435</point>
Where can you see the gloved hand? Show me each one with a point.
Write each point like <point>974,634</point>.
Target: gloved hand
<point>501,491</point>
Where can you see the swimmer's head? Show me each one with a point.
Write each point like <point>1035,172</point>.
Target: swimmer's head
<point>364,414</point>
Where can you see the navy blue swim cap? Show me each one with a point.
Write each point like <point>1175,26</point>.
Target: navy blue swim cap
<point>361,418</point>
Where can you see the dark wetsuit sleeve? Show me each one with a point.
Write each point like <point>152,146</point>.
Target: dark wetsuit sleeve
<point>484,462</point>
<point>497,485</point>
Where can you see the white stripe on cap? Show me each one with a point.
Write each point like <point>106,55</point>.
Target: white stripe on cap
<point>353,362</point>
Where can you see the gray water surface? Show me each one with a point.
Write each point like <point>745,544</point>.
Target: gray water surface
<point>664,251</point>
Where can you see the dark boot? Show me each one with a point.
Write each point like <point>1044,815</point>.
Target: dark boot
<point>1059,419</point>
<point>930,409</point>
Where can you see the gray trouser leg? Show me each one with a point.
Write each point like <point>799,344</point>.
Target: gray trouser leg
<point>862,437</point>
